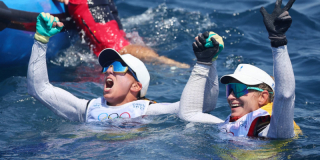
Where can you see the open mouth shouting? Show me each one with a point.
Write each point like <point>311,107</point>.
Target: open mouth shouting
<point>109,84</point>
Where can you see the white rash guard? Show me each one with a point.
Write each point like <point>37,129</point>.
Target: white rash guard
<point>63,103</point>
<point>99,110</point>
<point>195,96</point>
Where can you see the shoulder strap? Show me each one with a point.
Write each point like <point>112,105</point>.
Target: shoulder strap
<point>147,99</point>
<point>259,124</point>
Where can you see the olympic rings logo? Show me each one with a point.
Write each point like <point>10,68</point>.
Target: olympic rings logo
<point>105,116</point>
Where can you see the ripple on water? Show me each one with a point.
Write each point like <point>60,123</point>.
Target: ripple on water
<point>29,130</point>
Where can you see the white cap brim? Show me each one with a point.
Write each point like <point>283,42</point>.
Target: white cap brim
<point>242,78</point>
<point>134,63</point>
<point>249,75</point>
<point>107,55</point>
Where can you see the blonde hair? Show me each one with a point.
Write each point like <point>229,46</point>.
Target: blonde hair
<point>264,86</point>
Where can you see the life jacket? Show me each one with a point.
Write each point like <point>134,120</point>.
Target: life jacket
<point>252,123</point>
<point>103,28</point>
<point>98,110</point>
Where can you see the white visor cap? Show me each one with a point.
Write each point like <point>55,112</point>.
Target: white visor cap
<point>249,75</point>
<point>134,63</point>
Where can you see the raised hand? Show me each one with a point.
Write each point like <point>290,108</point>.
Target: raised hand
<point>207,47</point>
<point>47,26</point>
<point>277,23</point>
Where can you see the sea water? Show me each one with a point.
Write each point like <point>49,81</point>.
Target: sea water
<point>30,130</point>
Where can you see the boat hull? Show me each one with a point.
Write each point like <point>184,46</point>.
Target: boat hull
<point>18,29</point>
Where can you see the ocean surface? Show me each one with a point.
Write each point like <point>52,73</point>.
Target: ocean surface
<point>31,131</point>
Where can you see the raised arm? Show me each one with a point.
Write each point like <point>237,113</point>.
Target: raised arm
<point>277,23</point>
<point>195,93</point>
<point>210,92</point>
<point>58,100</point>
<point>281,125</point>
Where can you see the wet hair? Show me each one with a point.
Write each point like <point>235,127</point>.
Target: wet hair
<point>144,98</point>
<point>264,86</point>
<point>138,96</point>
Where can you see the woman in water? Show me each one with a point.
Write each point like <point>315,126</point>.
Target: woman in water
<point>260,106</point>
<point>125,85</point>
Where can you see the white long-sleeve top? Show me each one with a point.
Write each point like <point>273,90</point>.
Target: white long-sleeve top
<point>196,96</point>
<point>60,101</point>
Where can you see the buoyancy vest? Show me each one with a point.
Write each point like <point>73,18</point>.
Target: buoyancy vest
<point>252,123</point>
<point>98,110</point>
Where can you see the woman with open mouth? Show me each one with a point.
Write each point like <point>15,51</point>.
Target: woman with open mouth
<point>260,106</point>
<point>125,86</point>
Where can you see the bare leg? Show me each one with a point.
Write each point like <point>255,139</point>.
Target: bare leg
<point>107,32</point>
<point>148,55</point>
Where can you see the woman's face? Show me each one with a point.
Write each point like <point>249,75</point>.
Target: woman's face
<point>244,104</point>
<point>117,86</point>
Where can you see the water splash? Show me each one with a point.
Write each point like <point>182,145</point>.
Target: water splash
<point>232,61</point>
<point>75,55</point>
<point>165,24</point>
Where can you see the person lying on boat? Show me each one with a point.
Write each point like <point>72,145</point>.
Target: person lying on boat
<point>125,85</point>
<point>102,27</point>
<point>260,106</point>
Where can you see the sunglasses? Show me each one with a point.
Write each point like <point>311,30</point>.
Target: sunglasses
<point>240,89</point>
<point>118,67</point>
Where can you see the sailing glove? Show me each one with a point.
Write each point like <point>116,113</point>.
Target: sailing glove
<point>207,47</point>
<point>277,23</point>
<point>44,27</point>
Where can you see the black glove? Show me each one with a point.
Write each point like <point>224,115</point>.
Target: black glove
<point>204,55</point>
<point>277,23</point>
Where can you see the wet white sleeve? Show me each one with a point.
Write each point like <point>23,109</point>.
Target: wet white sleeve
<point>163,108</point>
<point>195,95</point>
<point>211,91</point>
<point>61,102</point>
<point>281,125</point>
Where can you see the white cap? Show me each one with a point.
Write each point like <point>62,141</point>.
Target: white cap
<point>134,63</point>
<point>249,75</point>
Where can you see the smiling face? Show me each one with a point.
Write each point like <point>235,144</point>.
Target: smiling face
<point>244,104</point>
<point>117,87</point>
